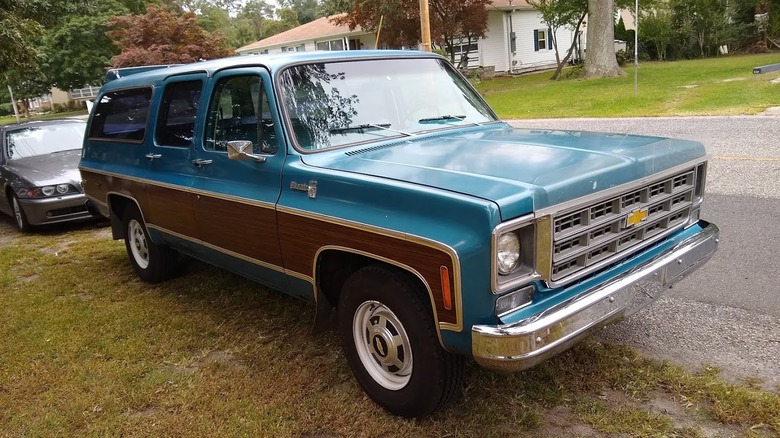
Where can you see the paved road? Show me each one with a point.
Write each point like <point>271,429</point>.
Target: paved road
<point>728,313</point>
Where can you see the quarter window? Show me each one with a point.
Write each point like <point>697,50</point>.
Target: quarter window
<point>176,121</point>
<point>122,115</point>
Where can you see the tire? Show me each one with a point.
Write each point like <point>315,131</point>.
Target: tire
<point>152,263</point>
<point>390,341</point>
<point>19,217</point>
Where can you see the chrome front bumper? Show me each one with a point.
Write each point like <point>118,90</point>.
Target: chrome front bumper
<point>521,345</point>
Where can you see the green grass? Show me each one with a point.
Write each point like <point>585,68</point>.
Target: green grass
<point>86,349</point>
<point>716,86</point>
<point>12,119</point>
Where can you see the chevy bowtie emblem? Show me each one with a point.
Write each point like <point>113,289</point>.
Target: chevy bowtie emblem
<point>636,217</point>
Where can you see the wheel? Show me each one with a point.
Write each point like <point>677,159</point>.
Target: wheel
<point>153,263</point>
<point>21,218</point>
<point>390,341</point>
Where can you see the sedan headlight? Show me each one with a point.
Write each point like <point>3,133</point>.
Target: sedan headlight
<point>46,191</point>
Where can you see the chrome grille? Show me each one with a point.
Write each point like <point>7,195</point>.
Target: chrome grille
<point>608,229</point>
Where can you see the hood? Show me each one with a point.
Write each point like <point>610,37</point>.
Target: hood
<point>49,169</point>
<point>520,170</point>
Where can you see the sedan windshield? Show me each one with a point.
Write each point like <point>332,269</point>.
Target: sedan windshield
<point>341,103</point>
<point>42,140</point>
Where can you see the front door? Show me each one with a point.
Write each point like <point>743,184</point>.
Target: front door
<point>235,200</point>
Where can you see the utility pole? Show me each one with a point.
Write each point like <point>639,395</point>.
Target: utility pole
<point>425,26</point>
<point>13,103</point>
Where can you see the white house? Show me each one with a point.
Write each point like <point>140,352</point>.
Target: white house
<point>517,39</point>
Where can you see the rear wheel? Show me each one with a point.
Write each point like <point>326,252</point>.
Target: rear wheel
<point>19,216</point>
<point>390,341</point>
<point>153,263</point>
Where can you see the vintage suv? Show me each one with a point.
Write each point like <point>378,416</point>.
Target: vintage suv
<point>381,187</point>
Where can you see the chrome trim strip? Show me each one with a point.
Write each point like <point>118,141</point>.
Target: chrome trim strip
<point>186,189</point>
<point>403,236</point>
<point>521,345</point>
<point>604,194</point>
<point>442,325</point>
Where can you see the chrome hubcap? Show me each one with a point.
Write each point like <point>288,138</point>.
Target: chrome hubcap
<point>382,345</point>
<point>138,244</point>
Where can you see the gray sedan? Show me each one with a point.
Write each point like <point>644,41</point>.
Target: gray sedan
<point>39,173</point>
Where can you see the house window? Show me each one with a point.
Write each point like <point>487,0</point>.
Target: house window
<point>301,48</point>
<point>542,40</point>
<point>331,45</point>
<point>467,47</point>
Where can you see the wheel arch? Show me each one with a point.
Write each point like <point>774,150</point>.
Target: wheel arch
<point>118,203</point>
<point>333,264</point>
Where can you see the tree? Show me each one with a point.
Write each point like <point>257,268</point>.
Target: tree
<point>655,29</point>
<point>600,58</point>
<point>78,52</point>
<point>306,10</point>
<point>559,14</point>
<point>160,37</point>
<point>452,21</point>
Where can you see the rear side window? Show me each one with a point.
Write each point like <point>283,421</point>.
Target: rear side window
<point>121,115</point>
<point>179,106</point>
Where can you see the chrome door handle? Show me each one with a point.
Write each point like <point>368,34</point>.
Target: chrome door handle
<point>201,163</point>
<point>152,157</point>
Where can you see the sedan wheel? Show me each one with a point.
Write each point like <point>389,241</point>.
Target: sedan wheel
<point>21,219</point>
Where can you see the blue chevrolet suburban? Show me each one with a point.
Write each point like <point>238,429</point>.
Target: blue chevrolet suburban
<point>380,187</point>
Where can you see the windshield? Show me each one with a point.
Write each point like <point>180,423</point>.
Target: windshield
<point>339,103</point>
<point>42,140</point>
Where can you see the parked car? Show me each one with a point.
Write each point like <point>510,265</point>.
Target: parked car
<point>39,172</point>
<point>382,188</point>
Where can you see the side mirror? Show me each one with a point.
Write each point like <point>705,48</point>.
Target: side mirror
<point>237,150</point>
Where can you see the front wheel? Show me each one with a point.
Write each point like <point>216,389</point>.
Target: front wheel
<point>390,341</point>
<point>19,216</point>
<point>153,263</point>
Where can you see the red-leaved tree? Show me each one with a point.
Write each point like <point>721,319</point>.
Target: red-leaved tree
<point>159,37</point>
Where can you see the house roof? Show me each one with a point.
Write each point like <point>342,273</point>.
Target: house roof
<point>320,28</point>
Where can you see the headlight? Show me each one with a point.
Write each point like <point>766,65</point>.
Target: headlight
<point>514,249</point>
<point>507,253</point>
<point>42,192</point>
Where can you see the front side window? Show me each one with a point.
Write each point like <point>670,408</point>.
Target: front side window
<point>239,110</point>
<point>121,115</point>
<point>340,103</point>
<point>43,140</point>
<point>179,106</point>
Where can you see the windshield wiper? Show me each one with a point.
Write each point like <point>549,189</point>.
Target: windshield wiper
<point>367,127</point>
<point>443,118</point>
<point>448,118</point>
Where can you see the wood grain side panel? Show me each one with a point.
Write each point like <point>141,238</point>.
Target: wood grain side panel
<point>170,209</point>
<point>302,236</point>
<point>246,229</point>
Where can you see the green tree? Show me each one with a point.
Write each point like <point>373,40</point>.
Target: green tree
<point>656,31</point>
<point>559,14</point>
<point>78,52</point>
<point>306,10</point>
<point>160,37</point>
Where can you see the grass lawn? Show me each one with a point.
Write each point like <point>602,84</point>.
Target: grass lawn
<point>86,349</point>
<point>12,119</point>
<point>717,86</point>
